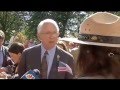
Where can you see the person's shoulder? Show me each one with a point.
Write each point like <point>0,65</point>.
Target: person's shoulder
<point>75,50</point>
<point>35,47</point>
<point>65,53</point>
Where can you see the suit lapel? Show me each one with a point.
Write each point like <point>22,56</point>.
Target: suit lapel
<point>54,74</point>
<point>53,71</point>
<point>38,60</point>
<point>35,58</point>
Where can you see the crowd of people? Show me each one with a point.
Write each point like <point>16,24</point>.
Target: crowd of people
<point>95,54</point>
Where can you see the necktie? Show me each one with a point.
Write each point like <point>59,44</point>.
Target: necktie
<point>44,66</point>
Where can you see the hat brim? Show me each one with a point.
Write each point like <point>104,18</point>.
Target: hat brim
<point>99,44</point>
<point>74,40</point>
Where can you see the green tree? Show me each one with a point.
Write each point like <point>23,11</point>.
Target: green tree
<point>60,17</point>
<point>9,22</point>
<point>69,22</point>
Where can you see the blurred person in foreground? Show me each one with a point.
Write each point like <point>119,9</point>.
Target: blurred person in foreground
<point>15,52</point>
<point>99,56</point>
<point>60,64</point>
<point>4,61</point>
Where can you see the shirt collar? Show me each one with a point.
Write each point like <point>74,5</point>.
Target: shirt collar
<point>49,51</point>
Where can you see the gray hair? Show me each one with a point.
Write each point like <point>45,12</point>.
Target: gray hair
<point>47,21</point>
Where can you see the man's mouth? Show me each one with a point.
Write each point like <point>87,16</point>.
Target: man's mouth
<point>51,41</point>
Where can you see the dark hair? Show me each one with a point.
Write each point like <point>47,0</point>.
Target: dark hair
<point>95,60</point>
<point>16,48</point>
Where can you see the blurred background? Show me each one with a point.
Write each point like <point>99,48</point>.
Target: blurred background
<point>23,24</point>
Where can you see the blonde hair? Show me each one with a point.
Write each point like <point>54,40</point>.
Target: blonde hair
<point>19,37</point>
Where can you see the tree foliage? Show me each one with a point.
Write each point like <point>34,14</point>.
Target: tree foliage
<point>60,17</point>
<point>68,22</point>
<point>26,22</point>
<point>10,22</point>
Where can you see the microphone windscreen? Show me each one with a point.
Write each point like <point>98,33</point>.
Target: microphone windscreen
<point>31,74</point>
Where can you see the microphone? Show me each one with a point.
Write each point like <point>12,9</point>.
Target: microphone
<point>31,74</point>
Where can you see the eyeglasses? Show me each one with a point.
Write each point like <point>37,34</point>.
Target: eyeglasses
<point>50,33</point>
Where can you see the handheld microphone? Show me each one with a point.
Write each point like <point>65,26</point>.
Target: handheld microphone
<point>31,74</point>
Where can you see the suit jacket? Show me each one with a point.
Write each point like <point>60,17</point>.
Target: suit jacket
<point>31,58</point>
<point>6,61</point>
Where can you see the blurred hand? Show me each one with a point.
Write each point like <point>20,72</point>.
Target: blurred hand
<point>3,75</point>
<point>2,70</point>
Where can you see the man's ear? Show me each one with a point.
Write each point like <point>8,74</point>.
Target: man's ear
<point>58,34</point>
<point>38,36</point>
<point>19,54</point>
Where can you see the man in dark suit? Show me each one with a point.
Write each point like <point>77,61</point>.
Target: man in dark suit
<point>4,60</point>
<point>48,34</point>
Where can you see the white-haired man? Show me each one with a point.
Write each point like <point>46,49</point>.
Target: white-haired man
<point>48,34</point>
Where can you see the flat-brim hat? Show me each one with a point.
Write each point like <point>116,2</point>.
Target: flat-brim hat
<point>101,29</point>
<point>74,40</point>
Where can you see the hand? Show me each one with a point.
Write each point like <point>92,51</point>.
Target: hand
<point>3,75</point>
<point>2,70</point>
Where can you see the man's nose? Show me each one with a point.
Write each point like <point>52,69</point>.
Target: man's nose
<point>53,35</point>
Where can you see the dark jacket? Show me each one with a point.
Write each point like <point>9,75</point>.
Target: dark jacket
<point>31,58</point>
<point>6,61</point>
